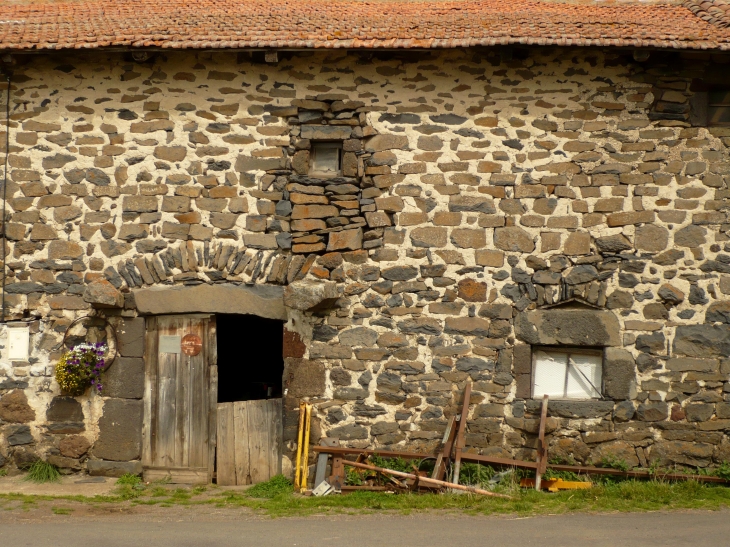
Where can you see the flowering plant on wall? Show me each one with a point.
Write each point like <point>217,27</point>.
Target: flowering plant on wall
<point>81,367</point>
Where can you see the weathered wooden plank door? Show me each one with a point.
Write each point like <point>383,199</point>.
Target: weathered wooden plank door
<point>250,437</point>
<point>181,394</point>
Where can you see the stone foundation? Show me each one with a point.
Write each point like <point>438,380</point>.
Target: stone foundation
<point>486,203</point>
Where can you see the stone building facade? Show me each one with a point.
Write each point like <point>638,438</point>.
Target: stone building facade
<point>487,202</point>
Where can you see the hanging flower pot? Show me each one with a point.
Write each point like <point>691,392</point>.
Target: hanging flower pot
<point>89,352</point>
<point>80,368</point>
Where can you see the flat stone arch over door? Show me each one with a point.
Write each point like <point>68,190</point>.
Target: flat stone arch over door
<point>261,300</point>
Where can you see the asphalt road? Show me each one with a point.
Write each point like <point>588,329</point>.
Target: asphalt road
<point>638,529</point>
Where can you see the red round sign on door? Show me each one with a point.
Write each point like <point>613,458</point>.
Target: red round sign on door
<point>191,344</point>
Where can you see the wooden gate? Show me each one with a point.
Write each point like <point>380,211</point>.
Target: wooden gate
<point>181,392</point>
<point>249,441</point>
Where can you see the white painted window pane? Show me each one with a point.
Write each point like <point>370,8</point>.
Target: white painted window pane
<point>579,385</point>
<point>550,368</point>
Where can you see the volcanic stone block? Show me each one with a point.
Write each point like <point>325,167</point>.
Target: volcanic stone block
<point>103,468</point>
<point>513,238</point>
<point>702,340</point>
<point>304,377</point>
<point>18,435</point>
<point>379,143</point>
<point>64,409</point>
<point>102,294</point>
<point>308,295</point>
<point>120,431</point>
<point>568,327</point>
<point>74,446</point>
<point>130,337</point>
<point>359,336</point>
<point>429,237</point>
<point>652,412</point>
<point>651,238</point>
<point>14,408</point>
<point>124,379</point>
<point>345,240</point>
<point>619,374</point>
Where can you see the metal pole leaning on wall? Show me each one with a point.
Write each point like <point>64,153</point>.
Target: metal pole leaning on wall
<point>298,469</point>
<point>305,457</point>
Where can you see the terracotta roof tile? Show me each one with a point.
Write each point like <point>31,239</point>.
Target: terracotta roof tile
<point>716,12</point>
<point>698,24</point>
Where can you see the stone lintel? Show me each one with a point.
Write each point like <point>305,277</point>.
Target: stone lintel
<point>262,300</point>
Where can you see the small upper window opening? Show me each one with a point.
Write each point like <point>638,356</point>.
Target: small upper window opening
<point>567,373</point>
<point>326,159</point>
<point>718,107</point>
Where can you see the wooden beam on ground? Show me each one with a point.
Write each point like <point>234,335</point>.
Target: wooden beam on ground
<point>427,480</point>
<point>342,451</point>
<point>541,446</point>
<point>461,435</point>
<point>439,470</point>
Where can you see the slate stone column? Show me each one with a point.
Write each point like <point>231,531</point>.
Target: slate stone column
<point>118,449</point>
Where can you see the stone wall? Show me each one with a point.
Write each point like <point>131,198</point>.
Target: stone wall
<point>489,200</point>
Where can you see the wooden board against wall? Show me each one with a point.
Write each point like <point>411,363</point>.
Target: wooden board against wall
<point>249,437</point>
<point>180,396</point>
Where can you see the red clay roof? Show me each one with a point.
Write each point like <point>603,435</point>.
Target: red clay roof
<point>716,12</point>
<point>354,24</point>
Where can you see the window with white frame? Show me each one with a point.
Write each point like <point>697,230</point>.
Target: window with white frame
<point>326,160</point>
<point>567,373</point>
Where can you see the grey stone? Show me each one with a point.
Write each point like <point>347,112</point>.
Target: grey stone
<point>699,412</point>
<point>718,312</point>
<point>690,236</point>
<point>350,432</point>
<point>667,453</point>
<point>624,411</point>
<point>304,377</point>
<point>124,379</point>
<point>324,333</point>
<point>18,434</point>
<point>654,343</point>
<point>382,428</point>
<point>579,327</point>
<point>64,409</point>
<point>359,336</point>
<point>421,325</point>
<point>400,273</point>
<point>120,430</point>
<point>307,295</point>
<point>582,273</point>
<point>351,393</point>
<point>575,409</point>
<point>702,340</point>
<point>513,238</point>
<point>130,337</point>
<point>389,382</point>
<point>652,412</point>
<point>619,374</point>
<point>652,238</point>
<point>613,244</point>
<point>102,294</point>
<point>102,468</point>
<point>262,300</point>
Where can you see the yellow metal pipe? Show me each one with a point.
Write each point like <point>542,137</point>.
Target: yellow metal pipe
<point>298,468</point>
<point>305,458</point>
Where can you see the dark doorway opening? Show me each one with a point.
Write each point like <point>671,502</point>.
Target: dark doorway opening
<point>250,357</point>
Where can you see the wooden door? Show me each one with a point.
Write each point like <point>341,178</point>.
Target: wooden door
<point>250,436</point>
<point>181,391</point>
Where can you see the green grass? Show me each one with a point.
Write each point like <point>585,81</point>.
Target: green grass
<point>276,498</point>
<point>129,479</point>
<point>3,472</point>
<point>40,472</point>
<point>276,486</point>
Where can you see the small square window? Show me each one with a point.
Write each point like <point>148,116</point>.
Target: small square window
<point>326,160</point>
<point>718,107</point>
<point>567,373</point>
